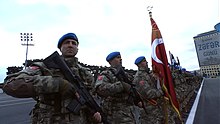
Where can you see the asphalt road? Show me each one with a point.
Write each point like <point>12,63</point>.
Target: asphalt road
<point>14,110</point>
<point>208,109</point>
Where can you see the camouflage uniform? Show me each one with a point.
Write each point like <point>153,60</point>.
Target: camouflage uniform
<point>152,97</point>
<point>50,105</point>
<point>178,83</point>
<point>115,104</point>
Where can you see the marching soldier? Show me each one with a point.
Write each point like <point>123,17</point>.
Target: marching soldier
<point>115,93</point>
<point>151,94</point>
<point>51,90</point>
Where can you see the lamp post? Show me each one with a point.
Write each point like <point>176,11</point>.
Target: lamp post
<point>25,38</point>
<point>217,27</point>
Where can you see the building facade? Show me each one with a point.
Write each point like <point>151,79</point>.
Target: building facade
<point>208,52</point>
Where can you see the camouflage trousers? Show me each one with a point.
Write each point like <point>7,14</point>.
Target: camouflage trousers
<point>120,114</point>
<point>43,115</point>
<point>152,115</point>
<point>55,120</point>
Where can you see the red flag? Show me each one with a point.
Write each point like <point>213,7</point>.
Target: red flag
<point>161,67</point>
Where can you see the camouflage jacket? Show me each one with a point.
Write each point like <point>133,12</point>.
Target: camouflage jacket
<point>115,97</point>
<point>109,86</point>
<point>146,85</point>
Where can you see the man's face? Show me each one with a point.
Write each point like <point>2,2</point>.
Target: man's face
<point>117,61</point>
<point>69,48</point>
<point>143,64</point>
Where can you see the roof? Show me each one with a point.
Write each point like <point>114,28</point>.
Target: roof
<point>206,33</point>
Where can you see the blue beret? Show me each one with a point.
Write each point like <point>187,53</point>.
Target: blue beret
<point>183,69</point>
<point>139,59</point>
<point>112,56</point>
<point>67,36</point>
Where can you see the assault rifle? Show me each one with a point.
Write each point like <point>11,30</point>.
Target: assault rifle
<point>55,61</point>
<point>134,96</point>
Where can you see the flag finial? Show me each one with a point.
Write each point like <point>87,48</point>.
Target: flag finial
<point>150,13</point>
<point>149,8</point>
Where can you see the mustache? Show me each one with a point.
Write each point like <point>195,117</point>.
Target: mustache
<point>70,49</point>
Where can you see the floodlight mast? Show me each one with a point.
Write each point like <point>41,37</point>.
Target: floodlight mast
<point>26,40</point>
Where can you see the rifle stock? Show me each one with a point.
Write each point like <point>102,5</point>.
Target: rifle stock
<point>55,61</point>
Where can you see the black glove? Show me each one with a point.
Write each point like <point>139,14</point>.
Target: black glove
<point>66,89</point>
<point>126,86</point>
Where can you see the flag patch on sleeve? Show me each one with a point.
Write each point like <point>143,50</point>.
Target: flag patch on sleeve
<point>34,67</point>
<point>100,77</point>
<point>141,83</point>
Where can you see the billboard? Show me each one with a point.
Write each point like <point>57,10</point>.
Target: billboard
<point>208,48</point>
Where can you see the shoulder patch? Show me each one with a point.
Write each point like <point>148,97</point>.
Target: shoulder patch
<point>100,77</point>
<point>141,82</point>
<point>34,67</point>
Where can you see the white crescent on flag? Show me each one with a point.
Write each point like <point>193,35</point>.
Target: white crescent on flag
<point>156,42</point>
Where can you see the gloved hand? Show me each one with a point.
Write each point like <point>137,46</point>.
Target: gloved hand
<point>66,89</point>
<point>126,86</point>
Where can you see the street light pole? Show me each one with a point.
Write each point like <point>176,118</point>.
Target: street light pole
<point>25,37</point>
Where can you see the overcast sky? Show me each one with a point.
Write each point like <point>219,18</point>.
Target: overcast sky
<point>104,26</point>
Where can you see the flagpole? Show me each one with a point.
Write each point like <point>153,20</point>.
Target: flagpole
<point>160,66</point>
<point>165,100</point>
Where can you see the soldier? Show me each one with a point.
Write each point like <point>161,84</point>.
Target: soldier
<point>49,88</point>
<point>151,94</point>
<point>114,92</point>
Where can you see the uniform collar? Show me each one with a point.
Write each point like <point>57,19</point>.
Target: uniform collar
<point>71,62</point>
<point>142,69</point>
